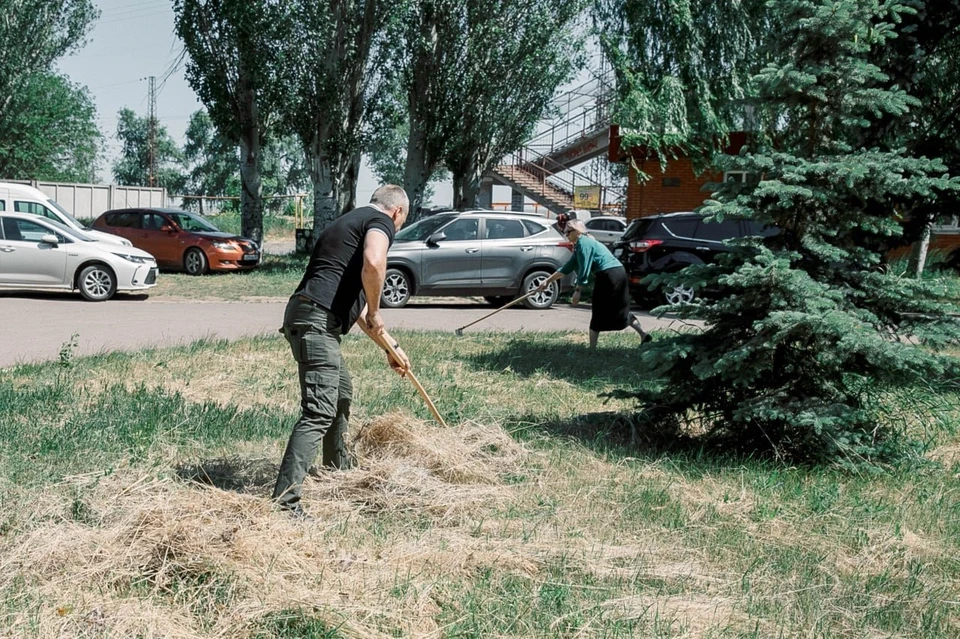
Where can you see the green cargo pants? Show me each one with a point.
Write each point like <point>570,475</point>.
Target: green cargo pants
<point>325,395</point>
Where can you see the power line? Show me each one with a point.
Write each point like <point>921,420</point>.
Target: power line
<point>135,17</point>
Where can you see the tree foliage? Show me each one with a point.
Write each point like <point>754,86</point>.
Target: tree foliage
<point>333,75</point>
<point>132,166</point>
<point>235,61</point>
<point>807,329</point>
<point>50,131</point>
<point>211,164</point>
<point>681,69</point>
<point>515,55</point>
<point>429,72</point>
<point>33,35</point>
<point>46,123</point>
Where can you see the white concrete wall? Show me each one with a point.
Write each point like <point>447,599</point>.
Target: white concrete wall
<point>87,201</point>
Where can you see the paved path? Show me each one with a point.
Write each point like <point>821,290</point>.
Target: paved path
<point>34,326</point>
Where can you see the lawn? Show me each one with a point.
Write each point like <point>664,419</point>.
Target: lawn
<point>133,502</point>
<point>277,276</point>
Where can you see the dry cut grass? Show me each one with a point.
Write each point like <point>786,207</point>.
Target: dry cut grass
<point>529,517</point>
<point>161,557</point>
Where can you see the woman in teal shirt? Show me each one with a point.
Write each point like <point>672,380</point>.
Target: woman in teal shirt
<point>611,293</point>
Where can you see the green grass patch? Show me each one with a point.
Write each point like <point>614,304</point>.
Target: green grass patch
<point>277,276</point>
<point>134,500</point>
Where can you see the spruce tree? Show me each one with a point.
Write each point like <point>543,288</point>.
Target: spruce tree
<point>807,329</point>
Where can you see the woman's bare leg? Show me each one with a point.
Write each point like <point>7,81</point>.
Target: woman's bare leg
<point>593,338</point>
<point>635,325</point>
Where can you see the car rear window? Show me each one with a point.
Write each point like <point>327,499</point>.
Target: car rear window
<point>533,228</point>
<point>685,227</point>
<point>637,229</point>
<point>129,220</point>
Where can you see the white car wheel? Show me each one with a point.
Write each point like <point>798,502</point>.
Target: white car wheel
<point>679,294</point>
<point>97,283</point>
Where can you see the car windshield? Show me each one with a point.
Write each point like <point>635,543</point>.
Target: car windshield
<point>66,214</point>
<point>79,236</point>
<point>193,223</point>
<point>421,230</point>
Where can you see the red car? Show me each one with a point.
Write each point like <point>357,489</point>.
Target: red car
<point>181,240</point>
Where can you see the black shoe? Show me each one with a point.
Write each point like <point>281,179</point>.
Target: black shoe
<point>647,337</point>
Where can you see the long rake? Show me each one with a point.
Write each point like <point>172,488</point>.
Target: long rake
<point>459,331</point>
<point>386,345</point>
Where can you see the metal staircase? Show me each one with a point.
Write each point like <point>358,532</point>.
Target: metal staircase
<point>543,169</point>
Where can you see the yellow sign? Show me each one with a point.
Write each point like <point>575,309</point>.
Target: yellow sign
<point>586,197</point>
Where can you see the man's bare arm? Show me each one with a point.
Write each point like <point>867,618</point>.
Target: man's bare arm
<point>375,246</point>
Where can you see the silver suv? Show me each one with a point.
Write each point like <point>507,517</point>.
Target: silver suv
<point>495,255</point>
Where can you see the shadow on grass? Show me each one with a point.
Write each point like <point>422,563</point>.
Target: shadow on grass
<point>236,474</point>
<point>575,363</point>
<point>618,434</point>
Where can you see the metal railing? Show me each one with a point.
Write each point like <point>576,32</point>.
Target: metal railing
<point>584,110</point>
<point>555,177</point>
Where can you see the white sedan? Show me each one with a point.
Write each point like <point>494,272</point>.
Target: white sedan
<point>606,229</point>
<point>40,253</point>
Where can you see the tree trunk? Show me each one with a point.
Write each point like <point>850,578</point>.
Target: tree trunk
<point>417,171</point>
<point>251,196</point>
<point>466,188</point>
<point>334,187</point>
<point>251,187</point>
<point>918,258</point>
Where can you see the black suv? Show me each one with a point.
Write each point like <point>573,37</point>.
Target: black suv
<point>668,243</point>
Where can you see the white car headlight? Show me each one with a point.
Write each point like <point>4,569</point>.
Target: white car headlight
<point>136,259</point>
<point>224,246</point>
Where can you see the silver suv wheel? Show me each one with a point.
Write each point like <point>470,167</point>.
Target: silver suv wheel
<point>396,289</point>
<point>543,299</point>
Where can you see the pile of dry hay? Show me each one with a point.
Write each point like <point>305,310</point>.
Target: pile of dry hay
<point>153,556</point>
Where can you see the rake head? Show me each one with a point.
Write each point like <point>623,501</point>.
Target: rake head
<point>459,332</point>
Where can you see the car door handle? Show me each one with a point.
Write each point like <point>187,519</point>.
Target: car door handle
<point>7,249</point>
<point>526,248</point>
<point>472,250</point>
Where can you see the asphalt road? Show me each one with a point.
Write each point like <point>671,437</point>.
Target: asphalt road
<point>35,326</point>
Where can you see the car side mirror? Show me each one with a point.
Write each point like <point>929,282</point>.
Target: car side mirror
<point>51,239</point>
<point>436,237</point>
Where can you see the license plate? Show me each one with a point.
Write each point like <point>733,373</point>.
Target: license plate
<point>251,257</point>
<point>617,252</point>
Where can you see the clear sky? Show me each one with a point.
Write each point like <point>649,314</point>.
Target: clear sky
<point>133,41</point>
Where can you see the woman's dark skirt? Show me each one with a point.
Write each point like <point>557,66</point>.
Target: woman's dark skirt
<point>611,301</point>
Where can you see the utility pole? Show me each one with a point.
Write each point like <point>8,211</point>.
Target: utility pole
<point>152,132</point>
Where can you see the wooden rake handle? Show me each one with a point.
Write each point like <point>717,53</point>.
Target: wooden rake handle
<point>387,346</point>
<point>502,308</point>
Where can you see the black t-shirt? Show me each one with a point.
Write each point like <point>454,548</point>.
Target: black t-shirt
<point>333,276</point>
